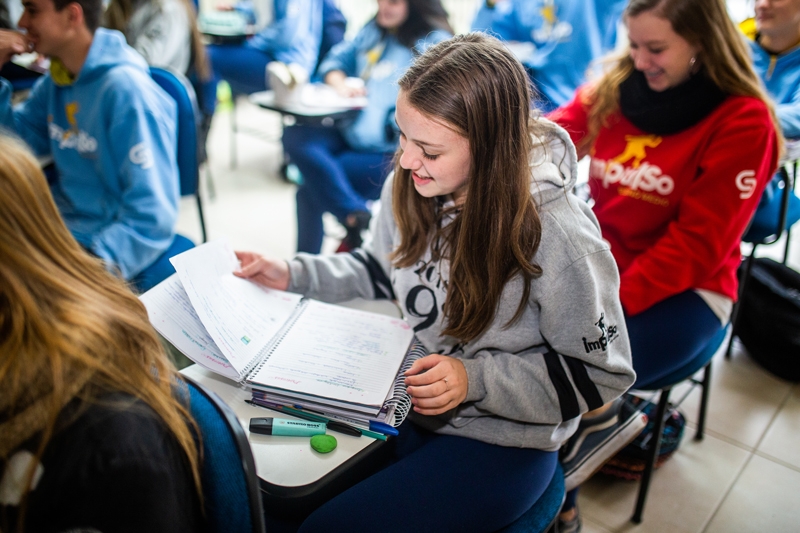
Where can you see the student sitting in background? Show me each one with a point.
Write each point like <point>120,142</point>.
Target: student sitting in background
<point>344,167</point>
<point>501,272</point>
<point>564,37</point>
<point>682,141</point>
<point>775,47</point>
<point>292,35</point>
<point>109,128</point>
<point>91,436</point>
<point>163,31</point>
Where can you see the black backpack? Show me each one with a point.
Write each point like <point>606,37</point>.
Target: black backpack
<point>769,322</point>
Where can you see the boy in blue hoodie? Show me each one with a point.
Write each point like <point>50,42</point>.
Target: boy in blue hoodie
<point>562,38</point>
<point>775,46</point>
<point>110,130</point>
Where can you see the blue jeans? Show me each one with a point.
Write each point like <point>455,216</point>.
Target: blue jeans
<point>440,483</point>
<point>242,66</point>
<point>336,179</point>
<point>669,334</point>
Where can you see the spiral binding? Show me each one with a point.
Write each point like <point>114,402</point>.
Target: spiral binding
<point>263,356</point>
<point>400,400</point>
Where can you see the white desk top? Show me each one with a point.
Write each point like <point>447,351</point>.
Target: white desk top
<point>283,461</point>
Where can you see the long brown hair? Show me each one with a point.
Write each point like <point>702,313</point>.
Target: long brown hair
<point>68,329</point>
<point>724,57</point>
<point>119,12</point>
<point>473,85</point>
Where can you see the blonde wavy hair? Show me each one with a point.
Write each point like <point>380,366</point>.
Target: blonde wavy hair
<point>704,24</point>
<point>68,328</point>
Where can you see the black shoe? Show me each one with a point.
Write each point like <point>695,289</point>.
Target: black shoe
<point>598,439</point>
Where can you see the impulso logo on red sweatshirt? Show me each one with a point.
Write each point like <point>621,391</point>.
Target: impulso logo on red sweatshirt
<point>639,180</point>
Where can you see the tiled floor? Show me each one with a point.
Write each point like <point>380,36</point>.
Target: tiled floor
<point>743,477</point>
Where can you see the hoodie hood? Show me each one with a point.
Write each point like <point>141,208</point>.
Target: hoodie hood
<point>554,164</point>
<point>109,50</point>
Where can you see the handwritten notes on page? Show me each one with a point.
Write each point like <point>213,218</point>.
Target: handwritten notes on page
<point>339,353</point>
<point>240,316</point>
<point>172,314</point>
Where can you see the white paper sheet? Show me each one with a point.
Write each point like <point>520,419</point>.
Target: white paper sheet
<point>240,316</point>
<point>172,314</point>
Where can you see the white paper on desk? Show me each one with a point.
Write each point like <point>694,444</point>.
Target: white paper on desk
<point>339,353</point>
<point>172,314</point>
<point>322,95</point>
<point>239,315</point>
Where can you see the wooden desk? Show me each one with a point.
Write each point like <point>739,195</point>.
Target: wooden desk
<point>294,478</point>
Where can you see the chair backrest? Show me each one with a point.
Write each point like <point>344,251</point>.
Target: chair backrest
<point>232,499</point>
<point>179,88</point>
<point>333,27</point>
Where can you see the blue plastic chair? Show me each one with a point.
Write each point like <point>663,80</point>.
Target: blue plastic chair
<point>544,513</point>
<point>665,385</point>
<point>179,88</point>
<point>231,495</point>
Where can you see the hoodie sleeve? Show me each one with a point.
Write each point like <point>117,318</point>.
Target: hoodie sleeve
<point>343,56</point>
<point>585,364</point>
<point>295,34</point>
<point>789,115</point>
<point>144,153</point>
<point>501,21</point>
<point>363,273</point>
<point>29,119</point>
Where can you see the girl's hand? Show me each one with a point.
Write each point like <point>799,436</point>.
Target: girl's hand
<point>267,272</point>
<point>436,384</point>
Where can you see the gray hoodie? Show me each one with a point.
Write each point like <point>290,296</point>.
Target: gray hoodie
<point>569,351</point>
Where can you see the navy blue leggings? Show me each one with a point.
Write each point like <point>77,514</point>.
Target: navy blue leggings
<point>336,179</point>
<point>242,66</point>
<point>669,334</point>
<point>440,483</point>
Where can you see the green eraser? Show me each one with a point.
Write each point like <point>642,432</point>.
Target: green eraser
<point>323,443</point>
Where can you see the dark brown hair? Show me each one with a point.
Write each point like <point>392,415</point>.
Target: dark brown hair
<point>474,85</point>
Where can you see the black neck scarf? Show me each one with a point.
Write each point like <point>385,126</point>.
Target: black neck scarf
<point>672,110</point>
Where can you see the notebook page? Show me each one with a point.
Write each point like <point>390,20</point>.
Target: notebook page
<point>172,314</point>
<point>338,353</point>
<point>240,316</point>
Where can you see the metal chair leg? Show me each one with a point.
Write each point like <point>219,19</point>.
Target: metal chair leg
<point>202,217</point>
<point>706,386</point>
<point>748,267</point>
<point>655,445</point>
<point>234,131</point>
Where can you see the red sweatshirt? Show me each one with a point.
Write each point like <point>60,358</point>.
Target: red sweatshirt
<point>674,207</point>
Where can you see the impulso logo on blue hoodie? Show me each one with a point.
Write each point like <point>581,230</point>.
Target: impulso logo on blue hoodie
<point>73,138</point>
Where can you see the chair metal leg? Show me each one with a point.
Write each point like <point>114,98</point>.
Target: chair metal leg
<point>748,267</point>
<point>791,182</point>
<point>202,217</point>
<point>652,455</point>
<point>706,387</point>
<point>234,131</point>
<point>212,190</point>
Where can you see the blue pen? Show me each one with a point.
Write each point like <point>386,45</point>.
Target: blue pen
<point>380,427</point>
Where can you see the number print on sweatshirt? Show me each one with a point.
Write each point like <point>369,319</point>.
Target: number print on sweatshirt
<point>421,301</point>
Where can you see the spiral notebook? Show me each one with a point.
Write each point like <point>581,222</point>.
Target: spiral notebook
<point>280,344</point>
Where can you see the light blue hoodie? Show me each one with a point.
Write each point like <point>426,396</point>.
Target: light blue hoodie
<point>294,34</point>
<point>112,136</point>
<point>374,128</point>
<point>781,76</point>
<point>568,36</point>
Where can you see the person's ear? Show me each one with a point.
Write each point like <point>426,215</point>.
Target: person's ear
<point>75,14</point>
